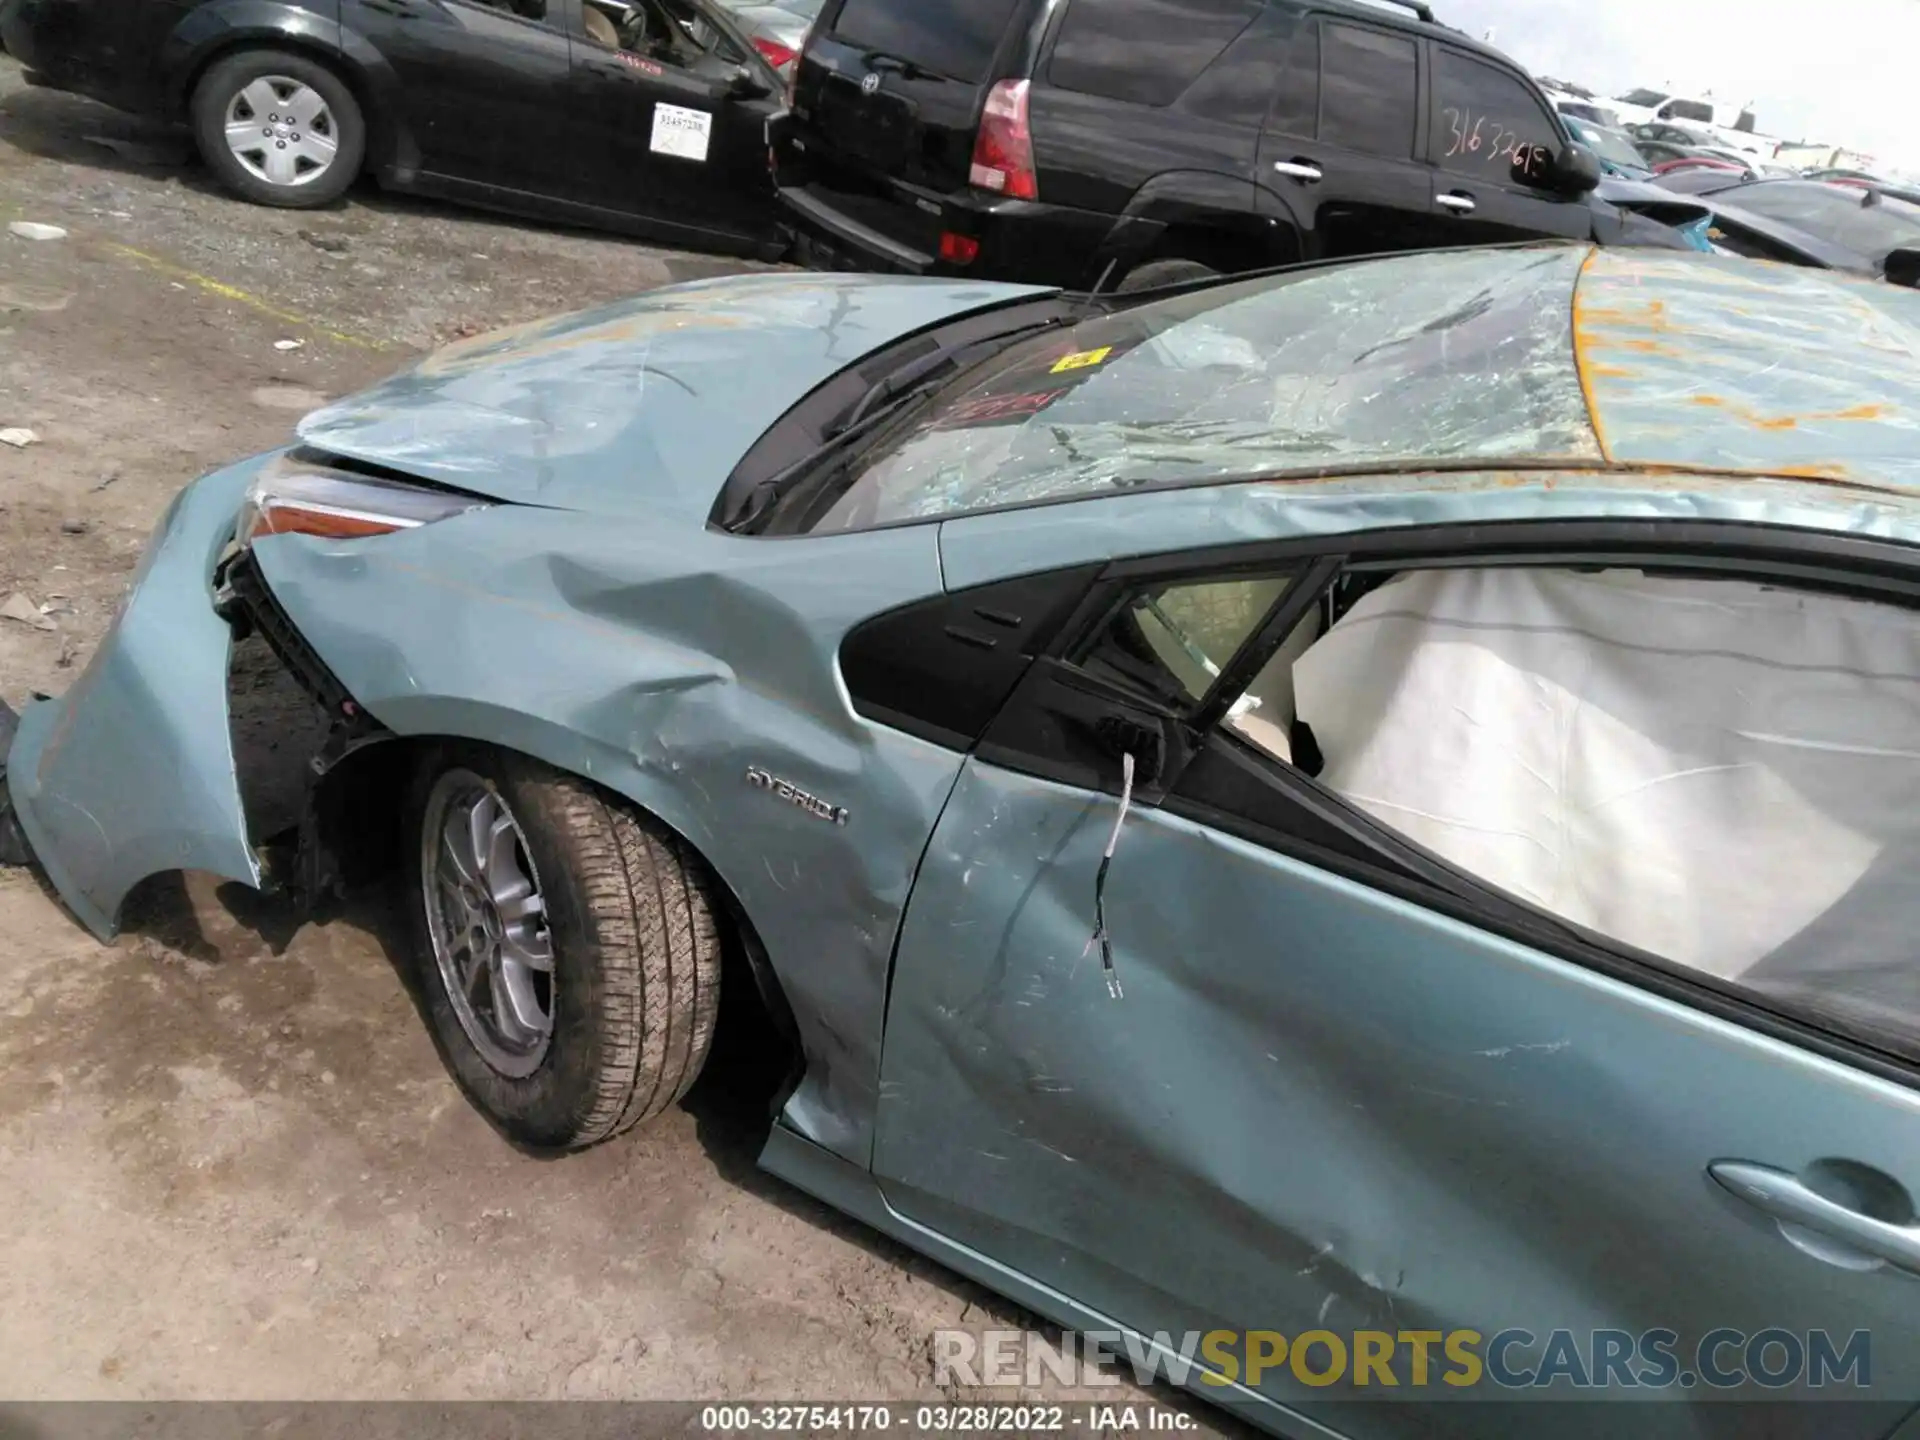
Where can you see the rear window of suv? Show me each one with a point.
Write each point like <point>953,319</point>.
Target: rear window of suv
<point>1147,52</point>
<point>955,38</point>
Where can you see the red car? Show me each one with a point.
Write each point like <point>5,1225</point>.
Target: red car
<point>1699,162</point>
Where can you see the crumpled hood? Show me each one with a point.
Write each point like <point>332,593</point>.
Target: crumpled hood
<point>641,407</point>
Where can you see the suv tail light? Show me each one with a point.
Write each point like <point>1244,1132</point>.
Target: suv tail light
<point>1003,153</point>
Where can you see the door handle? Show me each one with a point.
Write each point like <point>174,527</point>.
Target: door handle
<point>1455,201</point>
<point>1822,1228</point>
<point>1304,171</point>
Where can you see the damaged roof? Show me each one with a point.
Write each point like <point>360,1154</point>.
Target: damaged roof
<point>1616,363</point>
<point>1704,362</point>
<point>1632,366</point>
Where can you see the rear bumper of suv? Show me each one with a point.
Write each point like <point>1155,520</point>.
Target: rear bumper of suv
<point>1020,240</point>
<point>852,221</point>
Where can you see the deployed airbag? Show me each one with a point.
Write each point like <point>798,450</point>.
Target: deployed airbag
<point>1724,773</point>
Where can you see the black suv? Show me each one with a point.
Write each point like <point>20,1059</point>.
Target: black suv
<point>1160,140</point>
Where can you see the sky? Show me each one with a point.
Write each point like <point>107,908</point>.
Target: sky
<point>1834,71</point>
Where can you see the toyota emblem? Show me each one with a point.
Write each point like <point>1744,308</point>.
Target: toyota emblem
<point>870,85</point>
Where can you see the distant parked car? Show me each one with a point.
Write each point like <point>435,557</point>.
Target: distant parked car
<point>778,28</point>
<point>1617,153</point>
<point>1717,163</point>
<point>640,115</point>
<point>1578,104</point>
<point>1698,179</point>
<point>1660,153</point>
<point>940,137</point>
<point>1809,223</point>
<point>1861,180</point>
<point>1648,106</point>
<point>1582,110</point>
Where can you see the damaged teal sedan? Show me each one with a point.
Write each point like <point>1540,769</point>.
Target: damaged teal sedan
<point>1374,800</point>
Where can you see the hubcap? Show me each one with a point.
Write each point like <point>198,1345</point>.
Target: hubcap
<point>282,131</point>
<point>488,923</point>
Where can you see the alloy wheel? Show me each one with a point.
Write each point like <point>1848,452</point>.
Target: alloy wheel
<point>487,921</point>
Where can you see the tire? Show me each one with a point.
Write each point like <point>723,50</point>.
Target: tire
<point>632,985</point>
<point>237,87</point>
<point>1157,274</point>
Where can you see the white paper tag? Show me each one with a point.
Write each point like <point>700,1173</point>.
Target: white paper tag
<point>681,132</point>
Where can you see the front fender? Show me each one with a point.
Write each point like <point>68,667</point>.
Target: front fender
<point>662,661</point>
<point>131,772</point>
<point>226,24</point>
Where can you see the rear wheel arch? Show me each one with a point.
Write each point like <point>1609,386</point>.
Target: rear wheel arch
<point>1204,218</point>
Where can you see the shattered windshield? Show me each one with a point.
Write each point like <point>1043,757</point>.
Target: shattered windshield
<point>1440,357</point>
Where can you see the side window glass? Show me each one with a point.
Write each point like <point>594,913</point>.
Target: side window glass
<point>1369,84</point>
<point>665,32</point>
<point>1168,44</point>
<point>1720,772</point>
<point>535,10</point>
<point>1485,122</point>
<point>1171,642</point>
<point>1296,109</point>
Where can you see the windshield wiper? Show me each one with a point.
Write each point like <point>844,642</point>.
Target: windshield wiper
<point>889,399</point>
<point>759,500</point>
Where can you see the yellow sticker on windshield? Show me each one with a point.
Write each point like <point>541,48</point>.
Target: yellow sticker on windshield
<point>1082,359</point>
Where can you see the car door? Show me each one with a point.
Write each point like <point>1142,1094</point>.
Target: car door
<point>677,110</point>
<point>483,90</point>
<point>1256,1053</point>
<point>1486,129</point>
<point>1337,157</point>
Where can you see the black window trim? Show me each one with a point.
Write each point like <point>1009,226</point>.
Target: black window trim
<point>1863,567</point>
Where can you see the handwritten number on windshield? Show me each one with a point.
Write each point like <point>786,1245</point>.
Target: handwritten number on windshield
<point>1478,135</point>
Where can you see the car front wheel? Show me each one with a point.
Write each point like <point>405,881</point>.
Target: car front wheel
<point>278,128</point>
<point>569,957</point>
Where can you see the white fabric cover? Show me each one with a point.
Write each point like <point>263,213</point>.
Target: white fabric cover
<point>1715,771</point>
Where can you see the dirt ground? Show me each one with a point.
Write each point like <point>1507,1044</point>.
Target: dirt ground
<point>231,1165</point>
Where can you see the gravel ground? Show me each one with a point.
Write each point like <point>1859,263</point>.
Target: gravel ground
<point>231,1166</point>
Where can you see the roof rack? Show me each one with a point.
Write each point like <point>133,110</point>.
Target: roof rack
<point>1419,7</point>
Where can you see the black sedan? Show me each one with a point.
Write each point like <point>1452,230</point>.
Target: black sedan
<point>1808,222</point>
<point>641,115</point>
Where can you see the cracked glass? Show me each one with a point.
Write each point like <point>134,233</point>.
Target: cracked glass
<point>1435,358</point>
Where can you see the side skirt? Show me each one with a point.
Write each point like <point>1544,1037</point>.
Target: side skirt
<point>845,1186</point>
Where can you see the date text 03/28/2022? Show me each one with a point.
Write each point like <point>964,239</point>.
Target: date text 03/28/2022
<point>943,1419</point>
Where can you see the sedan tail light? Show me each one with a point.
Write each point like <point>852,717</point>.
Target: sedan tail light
<point>793,71</point>
<point>1003,153</point>
<point>291,497</point>
<point>777,55</point>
